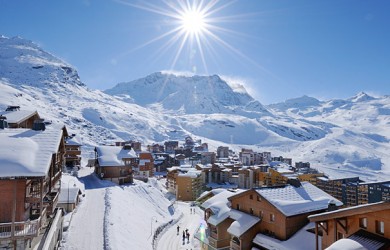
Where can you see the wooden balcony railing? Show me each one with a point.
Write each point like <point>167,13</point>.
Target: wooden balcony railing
<point>19,229</point>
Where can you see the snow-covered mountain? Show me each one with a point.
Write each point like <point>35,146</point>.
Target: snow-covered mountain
<point>339,136</point>
<point>188,95</point>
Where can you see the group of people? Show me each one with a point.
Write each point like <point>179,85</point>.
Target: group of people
<point>186,235</point>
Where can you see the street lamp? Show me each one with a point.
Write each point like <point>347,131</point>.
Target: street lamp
<point>74,185</point>
<point>151,224</point>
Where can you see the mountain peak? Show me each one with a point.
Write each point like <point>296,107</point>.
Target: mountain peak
<point>361,97</point>
<point>190,94</point>
<point>25,63</point>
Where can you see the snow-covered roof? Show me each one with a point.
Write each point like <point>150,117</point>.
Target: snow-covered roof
<point>292,200</point>
<point>68,197</point>
<point>243,222</point>
<point>26,152</point>
<point>346,244</point>
<point>112,155</point>
<point>300,240</point>
<point>213,191</point>
<point>72,142</point>
<point>191,173</point>
<point>219,205</point>
<point>18,116</point>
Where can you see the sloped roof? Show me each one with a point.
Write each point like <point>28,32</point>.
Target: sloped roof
<point>300,240</point>
<point>348,211</point>
<point>111,156</point>
<point>243,222</point>
<point>219,205</point>
<point>18,115</point>
<point>292,200</point>
<point>26,152</point>
<point>68,197</point>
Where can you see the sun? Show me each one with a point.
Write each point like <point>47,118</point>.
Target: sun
<point>193,22</point>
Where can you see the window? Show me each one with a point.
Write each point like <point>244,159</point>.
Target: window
<point>258,198</point>
<point>251,197</point>
<point>363,222</point>
<point>380,227</point>
<point>272,217</point>
<point>251,211</point>
<point>238,207</point>
<point>340,235</point>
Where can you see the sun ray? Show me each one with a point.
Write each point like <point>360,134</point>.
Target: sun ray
<point>197,32</point>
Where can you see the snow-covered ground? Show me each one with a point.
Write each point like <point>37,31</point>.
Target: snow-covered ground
<point>138,216</point>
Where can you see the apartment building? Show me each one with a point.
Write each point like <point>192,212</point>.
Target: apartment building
<point>367,225</point>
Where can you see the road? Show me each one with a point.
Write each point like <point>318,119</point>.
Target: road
<point>191,221</point>
<point>86,227</point>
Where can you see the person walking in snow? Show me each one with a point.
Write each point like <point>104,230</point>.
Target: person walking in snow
<point>178,229</point>
<point>188,237</point>
<point>184,238</point>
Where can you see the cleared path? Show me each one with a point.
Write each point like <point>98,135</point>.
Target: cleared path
<point>191,221</point>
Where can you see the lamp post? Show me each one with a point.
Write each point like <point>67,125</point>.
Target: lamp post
<point>74,185</point>
<point>151,224</point>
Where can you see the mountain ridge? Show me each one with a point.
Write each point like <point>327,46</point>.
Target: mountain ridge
<point>340,136</point>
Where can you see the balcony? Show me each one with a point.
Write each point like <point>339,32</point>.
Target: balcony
<point>19,229</point>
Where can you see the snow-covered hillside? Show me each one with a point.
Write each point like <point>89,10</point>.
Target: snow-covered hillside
<point>339,136</point>
<point>188,94</point>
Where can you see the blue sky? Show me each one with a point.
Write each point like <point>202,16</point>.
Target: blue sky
<point>278,49</point>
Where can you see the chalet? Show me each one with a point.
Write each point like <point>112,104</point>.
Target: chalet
<point>30,171</point>
<point>368,225</point>
<point>146,164</point>
<point>282,210</point>
<point>155,148</point>
<point>17,118</point>
<point>217,212</point>
<point>134,145</point>
<point>72,153</point>
<point>116,163</point>
<point>170,146</point>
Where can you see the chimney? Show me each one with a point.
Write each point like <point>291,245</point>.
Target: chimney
<point>39,125</point>
<point>3,122</point>
<point>332,206</point>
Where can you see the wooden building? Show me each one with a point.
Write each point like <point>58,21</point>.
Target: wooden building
<point>282,210</point>
<point>17,118</point>
<point>31,162</point>
<point>146,164</point>
<point>72,153</point>
<point>368,224</point>
<point>116,163</point>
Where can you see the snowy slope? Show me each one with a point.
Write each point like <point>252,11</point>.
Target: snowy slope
<point>340,136</point>
<point>189,95</point>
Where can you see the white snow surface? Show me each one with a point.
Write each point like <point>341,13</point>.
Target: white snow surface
<point>114,155</point>
<point>242,222</point>
<point>346,244</point>
<point>26,153</point>
<point>300,240</point>
<point>127,217</point>
<point>339,137</point>
<point>292,200</point>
